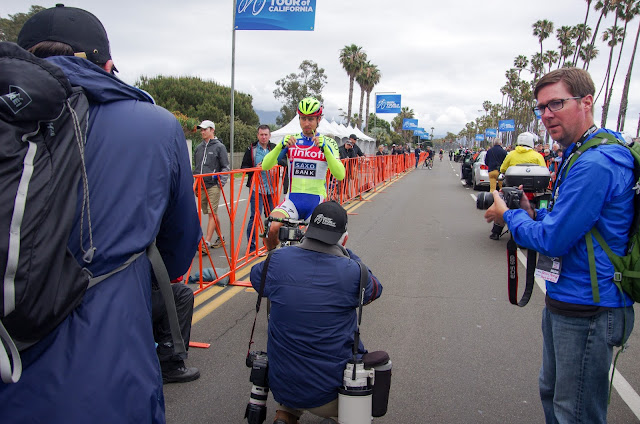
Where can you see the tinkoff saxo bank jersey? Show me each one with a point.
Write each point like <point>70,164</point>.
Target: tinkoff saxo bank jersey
<point>308,165</point>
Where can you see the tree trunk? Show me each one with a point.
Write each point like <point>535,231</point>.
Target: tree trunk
<point>585,64</point>
<point>622,113</point>
<point>350,99</point>
<point>360,111</point>
<point>366,130</point>
<point>580,40</point>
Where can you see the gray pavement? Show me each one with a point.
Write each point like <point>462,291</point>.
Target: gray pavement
<point>461,353</point>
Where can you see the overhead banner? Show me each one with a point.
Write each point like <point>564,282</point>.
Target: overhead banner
<point>491,132</point>
<point>479,137</point>
<point>425,137</point>
<point>287,15</point>
<point>409,124</point>
<point>419,132</point>
<point>388,103</point>
<point>507,125</point>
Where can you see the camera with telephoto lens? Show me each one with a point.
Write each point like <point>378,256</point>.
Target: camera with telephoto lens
<point>533,179</point>
<point>510,195</point>
<point>256,411</point>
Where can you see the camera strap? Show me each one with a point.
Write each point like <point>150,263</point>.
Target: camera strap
<point>512,266</point>
<point>263,278</point>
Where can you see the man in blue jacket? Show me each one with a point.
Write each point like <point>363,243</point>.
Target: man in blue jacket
<point>578,333</point>
<point>313,288</point>
<point>99,365</point>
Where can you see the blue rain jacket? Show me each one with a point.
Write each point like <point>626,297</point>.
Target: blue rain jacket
<point>100,365</point>
<point>597,191</point>
<point>314,297</point>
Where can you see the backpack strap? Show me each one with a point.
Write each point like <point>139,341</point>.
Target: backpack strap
<point>599,139</point>
<point>7,373</point>
<point>164,283</point>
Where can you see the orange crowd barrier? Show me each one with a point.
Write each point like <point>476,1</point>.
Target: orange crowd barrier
<point>363,174</point>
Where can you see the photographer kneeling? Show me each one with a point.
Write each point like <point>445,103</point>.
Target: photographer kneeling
<point>313,288</point>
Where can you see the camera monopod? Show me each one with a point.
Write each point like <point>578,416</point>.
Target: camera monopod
<point>512,266</point>
<point>355,397</point>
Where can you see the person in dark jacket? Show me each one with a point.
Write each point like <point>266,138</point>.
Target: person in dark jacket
<point>313,315</point>
<point>210,157</point>
<point>100,364</point>
<point>354,142</point>
<point>493,159</point>
<point>266,182</point>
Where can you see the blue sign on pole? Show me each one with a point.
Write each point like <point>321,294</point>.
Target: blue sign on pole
<point>388,103</point>
<point>409,124</point>
<point>479,137</point>
<point>507,125</point>
<point>419,132</point>
<point>491,132</point>
<point>299,15</point>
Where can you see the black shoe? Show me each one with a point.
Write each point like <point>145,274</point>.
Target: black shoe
<point>494,236</point>
<point>180,375</point>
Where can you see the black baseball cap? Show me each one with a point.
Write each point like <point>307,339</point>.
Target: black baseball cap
<point>76,27</point>
<point>328,222</point>
<point>353,136</point>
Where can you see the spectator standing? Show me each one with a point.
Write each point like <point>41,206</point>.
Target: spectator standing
<point>348,150</point>
<point>578,331</point>
<point>380,151</point>
<point>417,152</point>
<point>312,324</point>
<point>100,364</point>
<point>211,157</point>
<point>354,139</point>
<point>253,157</point>
<point>493,159</point>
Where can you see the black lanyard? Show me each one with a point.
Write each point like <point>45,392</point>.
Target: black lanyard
<point>565,160</point>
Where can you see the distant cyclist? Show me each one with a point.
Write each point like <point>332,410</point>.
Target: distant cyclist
<point>441,153</point>
<point>310,155</point>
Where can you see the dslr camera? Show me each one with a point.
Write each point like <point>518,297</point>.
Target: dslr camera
<point>256,412</point>
<point>533,178</point>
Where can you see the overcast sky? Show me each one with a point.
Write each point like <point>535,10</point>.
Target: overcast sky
<point>445,58</point>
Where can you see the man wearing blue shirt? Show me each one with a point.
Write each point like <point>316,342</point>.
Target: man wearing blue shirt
<point>578,332</point>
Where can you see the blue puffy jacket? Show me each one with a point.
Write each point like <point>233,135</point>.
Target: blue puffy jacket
<point>314,297</point>
<point>99,365</point>
<point>597,191</point>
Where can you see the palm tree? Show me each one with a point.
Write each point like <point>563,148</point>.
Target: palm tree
<point>551,57</point>
<point>603,6</point>
<point>622,113</point>
<point>520,62</point>
<point>361,80</point>
<point>581,33</point>
<point>542,29</point>
<point>352,59</point>
<point>587,54</point>
<point>564,34</point>
<point>612,36</point>
<point>373,76</point>
<point>537,65</point>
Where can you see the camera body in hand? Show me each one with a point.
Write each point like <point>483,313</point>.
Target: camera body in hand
<point>256,411</point>
<point>533,179</point>
<point>510,195</point>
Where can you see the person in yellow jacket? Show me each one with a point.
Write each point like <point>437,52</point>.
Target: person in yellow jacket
<point>523,153</point>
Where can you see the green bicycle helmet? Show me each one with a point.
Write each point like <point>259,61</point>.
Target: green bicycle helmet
<point>309,106</point>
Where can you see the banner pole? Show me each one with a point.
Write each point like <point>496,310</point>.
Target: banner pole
<point>233,69</point>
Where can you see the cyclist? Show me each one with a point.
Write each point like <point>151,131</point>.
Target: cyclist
<point>310,155</point>
<point>441,153</point>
